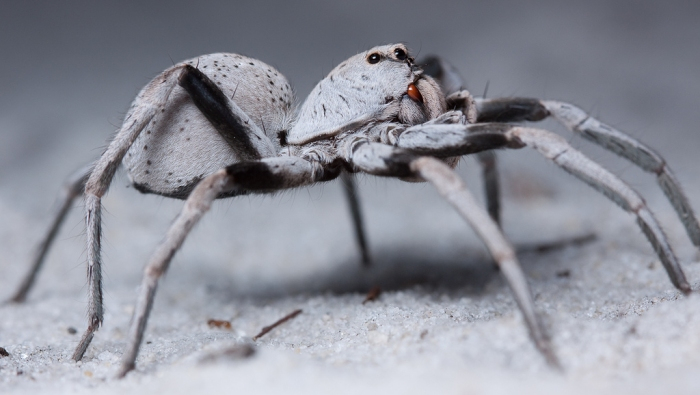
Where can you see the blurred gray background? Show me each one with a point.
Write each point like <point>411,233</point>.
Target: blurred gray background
<point>70,69</point>
<point>71,64</point>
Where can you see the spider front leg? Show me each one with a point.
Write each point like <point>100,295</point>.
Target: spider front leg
<point>576,120</point>
<point>463,101</point>
<point>451,140</point>
<point>384,160</point>
<point>266,175</point>
<point>457,98</point>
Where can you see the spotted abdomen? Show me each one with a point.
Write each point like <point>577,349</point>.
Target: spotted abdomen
<point>179,146</point>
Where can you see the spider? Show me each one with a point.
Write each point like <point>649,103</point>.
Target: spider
<point>224,125</point>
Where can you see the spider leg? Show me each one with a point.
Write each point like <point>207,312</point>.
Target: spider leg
<point>149,101</point>
<point>226,117</point>
<point>72,188</point>
<point>445,74</point>
<point>463,101</point>
<point>577,121</point>
<point>350,188</point>
<point>457,98</point>
<point>381,159</point>
<point>266,175</point>
<point>451,140</point>
<point>515,109</point>
<point>489,172</point>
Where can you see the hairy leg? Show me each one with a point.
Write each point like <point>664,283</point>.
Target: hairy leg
<point>72,188</point>
<point>385,160</point>
<point>451,140</point>
<point>576,120</point>
<point>266,175</point>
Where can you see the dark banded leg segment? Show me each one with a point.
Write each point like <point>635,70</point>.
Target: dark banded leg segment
<point>451,140</point>
<point>232,123</point>
<point>350,188</point>
<point>385,160</point>
<point>270,174</point>
<point>492,190</point>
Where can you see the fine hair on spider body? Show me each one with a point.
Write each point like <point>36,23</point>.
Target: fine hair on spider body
<point>224,125</point>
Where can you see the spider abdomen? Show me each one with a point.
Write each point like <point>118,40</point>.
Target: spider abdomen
<point>180,146</point>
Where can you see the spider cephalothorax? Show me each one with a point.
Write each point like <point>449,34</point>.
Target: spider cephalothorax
<point>380,85</point>
<point>222,125</point>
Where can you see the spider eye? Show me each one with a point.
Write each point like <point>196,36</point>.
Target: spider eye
<point>400,54</point>
<point>374,58</point>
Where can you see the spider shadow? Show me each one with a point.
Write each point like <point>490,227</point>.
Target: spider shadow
<point>450,271</point>
<point>455,271</point>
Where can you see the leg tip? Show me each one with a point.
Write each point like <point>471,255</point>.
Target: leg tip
<point>11,301</point>
<point>682,285</point>
<point>83,345</point>
<point>17,299</point>
<point>685,289</point>
<point>366,261</point>
<point>21,295</point>
<point>553,362</point>
<point>545,348</point>
<point>125,368</point>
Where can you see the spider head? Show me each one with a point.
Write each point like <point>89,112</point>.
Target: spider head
<point>379,85</point>
<point>418,97</point>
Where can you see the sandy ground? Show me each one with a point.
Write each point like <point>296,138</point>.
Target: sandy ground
<point>445,321</point>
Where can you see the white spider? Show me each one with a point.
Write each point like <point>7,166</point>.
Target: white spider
<point>223,125</point>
